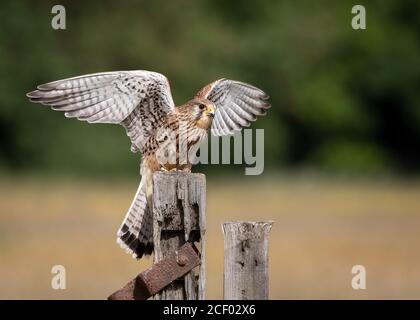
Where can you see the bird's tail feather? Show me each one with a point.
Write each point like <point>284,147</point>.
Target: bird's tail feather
<point>136,232</point>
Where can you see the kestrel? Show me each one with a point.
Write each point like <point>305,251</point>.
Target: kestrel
<point>142,103</point>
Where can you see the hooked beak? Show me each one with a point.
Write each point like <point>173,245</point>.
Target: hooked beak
<point>211,111</point>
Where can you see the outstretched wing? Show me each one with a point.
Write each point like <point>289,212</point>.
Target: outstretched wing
<point>138,100</point>
<point>237,104</point>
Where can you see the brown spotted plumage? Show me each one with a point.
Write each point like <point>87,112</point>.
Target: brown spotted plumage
<point>166,135</point>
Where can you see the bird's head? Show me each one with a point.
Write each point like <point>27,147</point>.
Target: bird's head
<point>202,111</point>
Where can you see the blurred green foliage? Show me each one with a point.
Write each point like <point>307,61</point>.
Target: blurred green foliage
<point>343,100</point>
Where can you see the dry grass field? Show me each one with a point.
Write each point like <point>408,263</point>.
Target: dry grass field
<point>322,228</point>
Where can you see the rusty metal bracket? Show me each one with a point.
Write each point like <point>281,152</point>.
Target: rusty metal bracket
<point>161,274</point>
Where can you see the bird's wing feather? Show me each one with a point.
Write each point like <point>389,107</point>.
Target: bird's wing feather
<point>137,99</point>
<point>237,104</point>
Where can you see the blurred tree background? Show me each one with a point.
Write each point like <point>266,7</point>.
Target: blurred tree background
<point>343,100</point>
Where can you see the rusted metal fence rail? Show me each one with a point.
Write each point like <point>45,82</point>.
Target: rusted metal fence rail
<point>156,278</point>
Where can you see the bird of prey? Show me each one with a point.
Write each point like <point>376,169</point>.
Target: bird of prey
<point>142,103</point>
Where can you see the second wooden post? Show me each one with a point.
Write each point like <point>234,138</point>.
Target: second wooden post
<point>246,260</point>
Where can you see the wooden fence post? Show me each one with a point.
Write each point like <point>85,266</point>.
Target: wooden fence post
<point>179,207</point>
<point>246,260</point>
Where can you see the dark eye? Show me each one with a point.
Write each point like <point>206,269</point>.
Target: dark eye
<point>202,106</point>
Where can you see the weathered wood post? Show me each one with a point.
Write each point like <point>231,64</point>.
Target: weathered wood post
<point>179,207</point>
<point>246,260</point>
